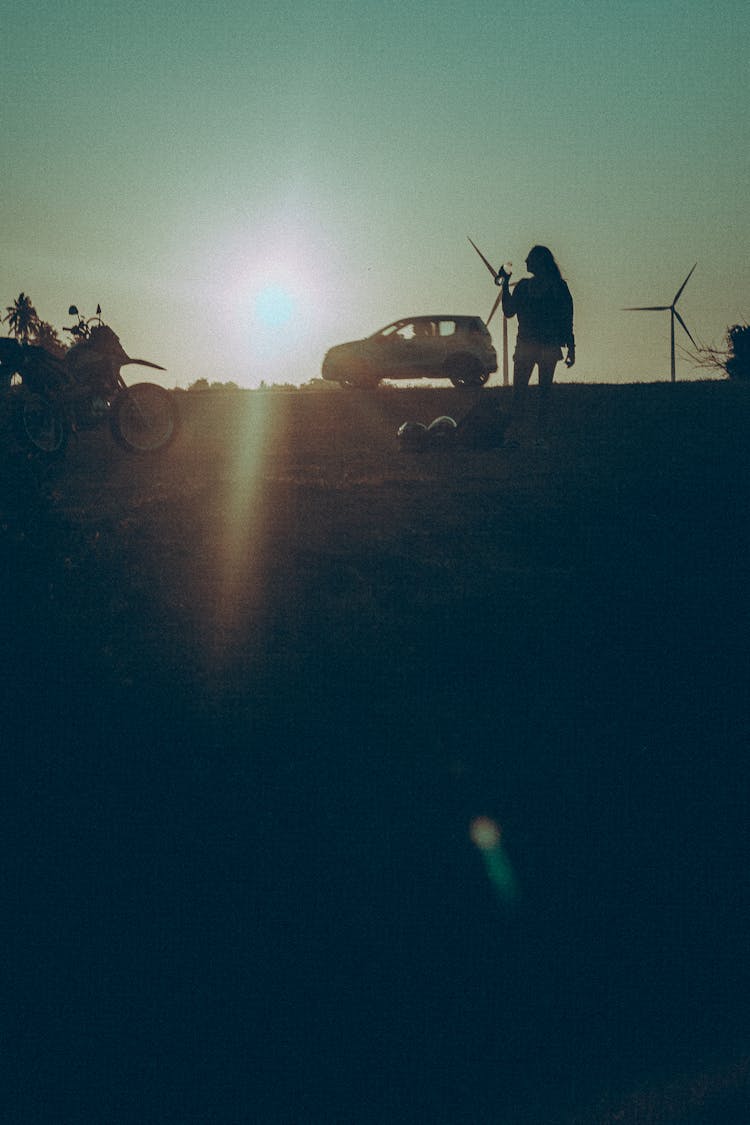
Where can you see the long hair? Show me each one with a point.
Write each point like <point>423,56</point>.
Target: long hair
<point>545,262</point>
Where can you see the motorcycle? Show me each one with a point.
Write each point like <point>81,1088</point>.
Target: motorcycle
<point>84,389</point>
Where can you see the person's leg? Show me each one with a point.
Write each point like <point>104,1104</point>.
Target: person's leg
<point>523,365</point>
<point>547,366</point>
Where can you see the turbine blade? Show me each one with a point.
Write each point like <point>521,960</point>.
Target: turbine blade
<point>481,255</point>
<point>682,322</point>
<point>494,308</point>
<point>647,308</point>
<point>679,291</point>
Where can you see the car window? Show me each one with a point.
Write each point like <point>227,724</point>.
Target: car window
<point>447,327</point>
<point>410,330</point>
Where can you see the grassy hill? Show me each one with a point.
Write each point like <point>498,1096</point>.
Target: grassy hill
<point>261,686</point>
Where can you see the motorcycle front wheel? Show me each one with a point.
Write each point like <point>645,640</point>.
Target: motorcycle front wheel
<point>143,418</point>
<point>41,426</point>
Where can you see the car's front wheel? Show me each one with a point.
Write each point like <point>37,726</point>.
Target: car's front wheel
<point>466,371</point>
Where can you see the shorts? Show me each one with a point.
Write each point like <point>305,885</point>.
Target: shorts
<point>529,351</point>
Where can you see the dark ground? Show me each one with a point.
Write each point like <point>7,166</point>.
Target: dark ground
<point>257,690</point>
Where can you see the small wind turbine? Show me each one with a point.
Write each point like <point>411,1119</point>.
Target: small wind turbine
<point>673,315</point>
<point>493,310</point>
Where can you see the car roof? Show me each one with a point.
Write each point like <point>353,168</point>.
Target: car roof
<point>458,317</point>
<point>461,319</point>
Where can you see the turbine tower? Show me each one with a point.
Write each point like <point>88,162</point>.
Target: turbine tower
<point>493,310</point>
<point>673,315</point>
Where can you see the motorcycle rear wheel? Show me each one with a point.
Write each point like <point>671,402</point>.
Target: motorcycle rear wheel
<point>41,426</point>
<point>144,418</point>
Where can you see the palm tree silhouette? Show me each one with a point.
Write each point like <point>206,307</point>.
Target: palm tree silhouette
<point>21,318</point>
<point>45,336</point>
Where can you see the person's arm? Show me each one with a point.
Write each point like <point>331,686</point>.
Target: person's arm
<point>509,300</point>
<point>569,340</point>
<point>571,356</point>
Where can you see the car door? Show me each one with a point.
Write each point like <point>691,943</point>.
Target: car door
<point>425,350</point>
<point>448,335</point>
<point>385,351</point>
<point>396,351</point>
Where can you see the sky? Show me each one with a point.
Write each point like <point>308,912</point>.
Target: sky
<point>240,186</point>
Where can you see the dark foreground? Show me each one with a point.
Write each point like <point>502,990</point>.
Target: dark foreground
<point>256,692</point>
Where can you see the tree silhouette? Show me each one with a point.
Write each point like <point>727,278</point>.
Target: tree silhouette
<point>46,336</point>
<point>734,359</point>
<point>21,318</point>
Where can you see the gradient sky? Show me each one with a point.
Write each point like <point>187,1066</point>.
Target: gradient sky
<point>242,185</point>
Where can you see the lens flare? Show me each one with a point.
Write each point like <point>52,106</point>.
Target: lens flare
<point>239,541</point>
<point>486,834</point>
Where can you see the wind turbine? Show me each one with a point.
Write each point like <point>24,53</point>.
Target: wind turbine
<point>673,315</point>
<point>493,310</point>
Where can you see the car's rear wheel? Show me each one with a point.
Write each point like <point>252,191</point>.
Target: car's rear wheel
<point>466,371</point>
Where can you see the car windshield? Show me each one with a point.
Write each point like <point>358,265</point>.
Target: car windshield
<point>420,328</point>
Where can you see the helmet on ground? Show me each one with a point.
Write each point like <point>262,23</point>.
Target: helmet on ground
<point>412,435</point>
<point>442,429</point>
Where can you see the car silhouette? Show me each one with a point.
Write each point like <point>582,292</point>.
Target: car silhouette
<point>458,348</point>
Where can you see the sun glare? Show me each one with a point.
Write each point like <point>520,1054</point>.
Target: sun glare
<point>274,306</point>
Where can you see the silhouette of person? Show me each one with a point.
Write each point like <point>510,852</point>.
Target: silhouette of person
<point>544,308</point>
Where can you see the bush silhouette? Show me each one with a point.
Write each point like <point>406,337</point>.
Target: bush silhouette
<point>737,365</point>
<point>734,358</point>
